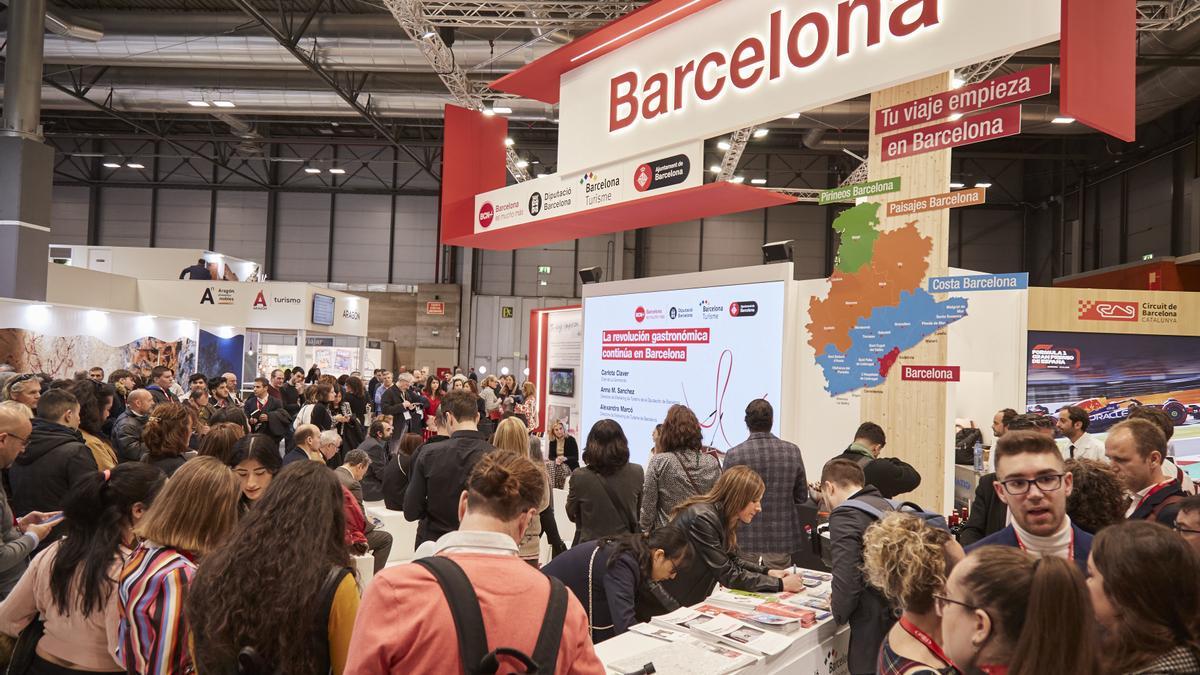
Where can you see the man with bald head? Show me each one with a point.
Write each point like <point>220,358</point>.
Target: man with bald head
<point>127,432</point>
<point>21,537</point>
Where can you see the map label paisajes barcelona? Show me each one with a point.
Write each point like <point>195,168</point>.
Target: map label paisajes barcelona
<point>876,308</point>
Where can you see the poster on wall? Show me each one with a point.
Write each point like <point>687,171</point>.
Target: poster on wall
<point>564,358</point>
<point>711,349</point>
<point>219,355</point>
<point>1107,374</point>
<point>61,356</point>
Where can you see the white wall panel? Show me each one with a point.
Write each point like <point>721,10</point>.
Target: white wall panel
<point>124,217</point>
<point>415,257</point>
<point>69,215</point>
<point>361,235</point>
<point>302,248</point>
<point>183,219</point>
<point>242,224</point>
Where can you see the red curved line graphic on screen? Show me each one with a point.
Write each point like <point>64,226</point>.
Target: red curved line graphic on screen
<point>715,419</point>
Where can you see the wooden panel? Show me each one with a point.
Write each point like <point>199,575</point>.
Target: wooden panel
<point>914,413</point>
<point>1059,309</point>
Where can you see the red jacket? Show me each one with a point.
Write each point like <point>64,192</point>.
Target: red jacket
<point>356,522</point>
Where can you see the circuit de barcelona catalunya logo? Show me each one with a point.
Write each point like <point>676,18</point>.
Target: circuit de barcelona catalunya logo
<point>487,215</point>
<point>1107,310</point>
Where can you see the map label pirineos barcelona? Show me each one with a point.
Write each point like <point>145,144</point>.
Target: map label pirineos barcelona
<point>876,308</point>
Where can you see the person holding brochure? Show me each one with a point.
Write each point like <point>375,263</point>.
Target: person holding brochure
<point>710,522</point>
<point>616,578</point>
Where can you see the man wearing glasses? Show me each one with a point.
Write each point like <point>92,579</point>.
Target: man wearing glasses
<point>1187,523</point>
<point>1032,479</point>
<point>18,538</point>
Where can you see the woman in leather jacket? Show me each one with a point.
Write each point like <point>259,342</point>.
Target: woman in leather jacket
<point>710,522</point>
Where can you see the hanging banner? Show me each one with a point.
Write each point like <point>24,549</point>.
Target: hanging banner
<point>993,93</point>
<point>967,131</point>
<point>737,64</point>
<point>558,195</point>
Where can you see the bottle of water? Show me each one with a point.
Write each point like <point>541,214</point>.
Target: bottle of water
<point>978,457</point>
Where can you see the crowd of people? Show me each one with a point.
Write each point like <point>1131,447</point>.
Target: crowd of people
<point>151,528</point>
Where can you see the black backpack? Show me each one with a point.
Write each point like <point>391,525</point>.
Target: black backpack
<point>472,634</point>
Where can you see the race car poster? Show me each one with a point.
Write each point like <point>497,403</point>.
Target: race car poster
<point>1107,374</point>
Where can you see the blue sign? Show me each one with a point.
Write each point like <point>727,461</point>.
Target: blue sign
<point>979,282</point>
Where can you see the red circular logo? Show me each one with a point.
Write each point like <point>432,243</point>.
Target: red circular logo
<point>639,314</point>
<point>642,178</point>
<point>487,213</point>
<point>734,309</point>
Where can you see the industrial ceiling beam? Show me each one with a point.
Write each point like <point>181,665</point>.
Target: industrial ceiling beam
<point>527,14</point>
<point>349,86</point>
<point>410,14</point>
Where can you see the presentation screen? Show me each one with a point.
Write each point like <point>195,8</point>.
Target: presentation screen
<point>1107,374</point>
<point>711,349</point>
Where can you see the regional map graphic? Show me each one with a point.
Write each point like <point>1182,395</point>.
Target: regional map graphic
<point>876,308</point>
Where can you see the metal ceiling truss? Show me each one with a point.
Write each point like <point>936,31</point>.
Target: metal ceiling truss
<point>349,85</point>
<point>410,14</point>
<point>1166,15</point>
<point>528,14</point>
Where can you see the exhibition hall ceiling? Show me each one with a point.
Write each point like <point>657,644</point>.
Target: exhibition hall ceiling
<point>251,75</point>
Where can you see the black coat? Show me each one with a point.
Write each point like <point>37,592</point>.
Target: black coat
<point>41,476</point>
<point>372,482</point>
<point>290,397</point>
<point>853,600</point>
<point>987,515</point>
<point>392,403</point>
<point>712,561</point>
<point>892,476</point>
<point>593,511</point>
<point>570,451</point>
<point>127,437</point>
<point>439,474</point>
<point>250,407</point>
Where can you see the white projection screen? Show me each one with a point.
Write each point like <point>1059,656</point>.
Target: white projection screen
<point>714,349</point>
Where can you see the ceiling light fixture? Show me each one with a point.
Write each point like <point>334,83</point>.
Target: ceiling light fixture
<point>311,169</point>
<point>135,165</point>
<point>1063,120</point>
<point>983,185</point>
<point>224,104</point>
<point>957,186</point>
<point>957,83</point>
<point>112,165</point>
<point>337,171</point>
<point>521,164</point>
<point>428,34</point>
<point>739,179</point>
<point>758,181</point>
<point>198,104</point>
<point>793,116</point>
<point>723,145</point>
<point>508,142</point>
<point>715,168</point>
<point>502,110</point>
<point>761,133</point>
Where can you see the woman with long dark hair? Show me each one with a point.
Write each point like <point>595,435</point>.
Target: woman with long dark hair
<point>95,402</point>
<point>192,516</point>
<point>1005,611</point>
<point>282,584</point>
<point>356,396</point>
<point>680,470</point>
<point>710,522</point>
<point>616,578</point>
<point>255,460</point>
<point>166,436</point>
<point>1145,585</point>
<point>71,584</point>
<point>604,498</point>
<point>314,375</point>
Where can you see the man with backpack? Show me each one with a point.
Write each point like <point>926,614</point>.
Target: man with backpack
<point>853,600</point>
<point>890,475</point>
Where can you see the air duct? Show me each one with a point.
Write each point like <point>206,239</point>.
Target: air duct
<point>70,27</point>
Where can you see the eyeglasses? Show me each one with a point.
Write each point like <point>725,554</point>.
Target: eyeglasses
<point>942,600</point>
<point>24,441</point>
<point>1047,483</point>
<point>1184,530</point>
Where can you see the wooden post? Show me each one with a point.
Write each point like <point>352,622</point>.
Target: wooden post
<point>914,414</point>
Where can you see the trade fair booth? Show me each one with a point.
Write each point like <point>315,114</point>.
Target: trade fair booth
<point>153,263</point>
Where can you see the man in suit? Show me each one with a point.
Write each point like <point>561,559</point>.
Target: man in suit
<point>1136,448</point>
<point>1073,425</point>
<point>404,402</point>
<point>374,446</point>
<point>351,473</point>
<point>772,536</point>
<point>307,445</point>
<point>988,514</point>
<point>260,406</point>
<point>1032,479</point>
<point>18,537</point>
<point>890,475</point>
<point>161,379</point>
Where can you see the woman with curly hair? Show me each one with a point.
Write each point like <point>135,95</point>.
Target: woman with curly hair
<point>297,608</point>
<point>166,435</point>
<point>95,402</point>
<point>909,561</point>
<point>1097,498</point>
<point>680,470</point>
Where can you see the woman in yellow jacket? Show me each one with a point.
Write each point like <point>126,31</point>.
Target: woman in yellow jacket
<point>282,585</point>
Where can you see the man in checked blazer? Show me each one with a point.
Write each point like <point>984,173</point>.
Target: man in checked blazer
<point>774,534</point>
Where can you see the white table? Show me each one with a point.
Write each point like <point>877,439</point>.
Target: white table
<point>820,650</point>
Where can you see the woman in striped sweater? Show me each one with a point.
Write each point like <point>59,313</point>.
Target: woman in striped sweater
<point>192,515</point>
